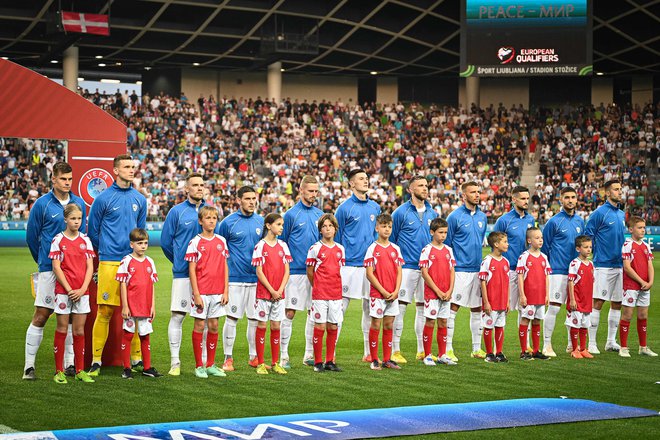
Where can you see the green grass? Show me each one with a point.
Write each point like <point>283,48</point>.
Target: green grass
<point>44,405</point>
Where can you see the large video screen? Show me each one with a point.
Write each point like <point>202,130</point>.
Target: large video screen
<point>526,38</point>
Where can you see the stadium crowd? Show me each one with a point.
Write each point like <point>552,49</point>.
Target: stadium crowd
<point>235,142</point>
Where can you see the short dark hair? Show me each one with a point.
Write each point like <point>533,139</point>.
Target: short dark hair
<point>567,189</point>
<point>466,184</point>
<point>581,239</point>
<point>519,189</point>
<point>118,159</point>
<point>610,183</point>
<point>415,178</point>
<point>61,168</point>
<point>634,219</point>
<point>438,223</point>
<point>495,237</point>
<point>355,171</point>
<point>138,234</point>
<point>383,219</point>
<point>243,190</point>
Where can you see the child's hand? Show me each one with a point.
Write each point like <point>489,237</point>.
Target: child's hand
<point>547,301</point>
<point>487,309</point>
<point>75,295</point>
<point>523,301</point>
<point>447,296</point>
<point>152,313</point>
<point>125,312</point>
<point>197,299</point>
<point>394,295</point>
<point>224,298</point>
<point>573,305</point>
<point>645,286</point>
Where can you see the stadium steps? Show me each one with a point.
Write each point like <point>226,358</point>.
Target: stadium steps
<point>529,173</point>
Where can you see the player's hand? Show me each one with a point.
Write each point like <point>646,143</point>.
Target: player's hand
<point>75,294</point>
<point>523,300</point>
<point>547,301</point>
<point>276,296</point>
<point>573,305</point>
<point>224,299</point>
<point>645,286</point>
<point>125,312</point>
<point>394,295</point>
<point>487,309</point>
<point>197,299</point>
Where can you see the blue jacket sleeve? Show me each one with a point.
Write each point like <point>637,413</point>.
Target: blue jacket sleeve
<point>592,224</point>
<point>167,236</point>
<point>94,222</point>
<point>34,225</point>
<point>341,221</point>
<point>377,214</point>
<point>500,225</point>
<point>397,217</point>
<point>142,215</point>
<point>451,228</point>
<point>547,238</point>
<point>286,231</point>
<point>83,224</point>
<point>223,229</point>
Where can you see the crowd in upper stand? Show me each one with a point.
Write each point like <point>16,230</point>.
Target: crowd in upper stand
<point>234,142</point>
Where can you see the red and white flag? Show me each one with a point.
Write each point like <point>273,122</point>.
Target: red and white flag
<point>85,23</point>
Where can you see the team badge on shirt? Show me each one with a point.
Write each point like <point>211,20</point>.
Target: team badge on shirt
<point>258,231</point>
<point>135,207</point>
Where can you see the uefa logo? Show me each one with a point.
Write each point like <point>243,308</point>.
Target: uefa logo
<point>506,54</point>
<point>92,183</point>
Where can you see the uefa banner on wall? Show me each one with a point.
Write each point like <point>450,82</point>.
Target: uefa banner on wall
<point>526,38</point>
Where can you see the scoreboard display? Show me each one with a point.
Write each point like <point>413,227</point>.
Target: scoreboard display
<point>526,38</point>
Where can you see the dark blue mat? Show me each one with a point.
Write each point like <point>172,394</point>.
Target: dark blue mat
<point>368,423</point>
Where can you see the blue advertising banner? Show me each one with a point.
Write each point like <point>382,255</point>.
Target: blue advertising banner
<point>371,423</point>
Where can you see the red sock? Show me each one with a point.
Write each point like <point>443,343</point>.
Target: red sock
<point>211,347</point>
<point>58,349</point>
<point>522,335</point>
<point>428,339</point>
<point>387,345</point>
<point>373,343</point>
<point>499,338</point>
<point>624,328</point>
<point>583,339</point>
<point>441,335</point>
<point>79,352</point>
<point>126,348</point>
<point>330,345</point>
<point>536,337</point>
<point>488,340</point>
<point>197,347</point>
<point>575,334</point>
<point>641,331</point>
<point>260,339</point>
<point>145,346</point>
<point>318,345</point>
<point>275,345</point>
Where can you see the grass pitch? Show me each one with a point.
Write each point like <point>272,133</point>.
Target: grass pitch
<point>111,401</point>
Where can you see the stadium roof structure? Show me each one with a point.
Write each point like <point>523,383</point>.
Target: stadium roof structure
<point>355,37</point>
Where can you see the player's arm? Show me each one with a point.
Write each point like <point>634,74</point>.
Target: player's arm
<point>94,222</point>
<point>341,222</point>
<point>452,279</point>
<point>592,225</point>
<point>59,275</point>
<point>89,272</point>
<point>628,269</point>
<point>310,275</point>
<point>142,214</point>
<point>192,272</point>
<point>396,226</point>
<point>500,226</point>
<point>34,226</point>
<point>153,302</point>
<point>451,229</point>
<point>167,236</point>
<point>571,295</point>
<point>521,289</point>
<point>264,280</point>
<point>428,281</point>
<point>371,276</point>
<point>484,296</point>
<point>224,299</point>
<point>651,274</point>
<point>547,238</point>
<point>285,279</point>
<point>125,310</point>
<point>286,230</point>
<point>399,275</point>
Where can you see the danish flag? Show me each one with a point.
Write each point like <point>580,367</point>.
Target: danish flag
<point>85,23</point>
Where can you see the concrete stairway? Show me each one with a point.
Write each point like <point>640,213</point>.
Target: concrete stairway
<point>529,173</point>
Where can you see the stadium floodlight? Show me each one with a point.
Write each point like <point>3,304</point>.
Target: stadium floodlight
<point>195,64</point>
<point>373,72</point>
<point>98,57</point>
<point>54,61</point>
<point>110,81</point>
<point>101,64</point>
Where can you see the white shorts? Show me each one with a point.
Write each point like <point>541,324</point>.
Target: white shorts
<point>495,319</point>
<point>266,310</point>
<point>212,308</point>
<point>636,298</point>
<point>514,293</point>
<point>298,293</point>
<point>64,305</point>
<point>558,288</point>
<point>143,325</point>
<point>608,283</point>
<point>354,282</point>
<point>45,290</point>
<point>436,309</point>
<point>412,286</point>
<point>532,312</point>
<point>378,307</point>
<point>242,298</point>
<point>181,295</point>
<point>578,320</point>
<point>326,310</point>
<point>467,290</point>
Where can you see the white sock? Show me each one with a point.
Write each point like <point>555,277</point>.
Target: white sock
<point>285,336</point>
<point>251,334</point>
<point>309,334</point>
<point>366,325</point>
<point>594,317</point>
<point>228,336</point>
<point>450,329</point>
<point>613,318</point>
<point>68,347</point>
<point>174,335</point>
<point>33,338</point>
<point>549,321</point>
<point>398,328</point>
<point>475,329</point>
<point>420,320</point>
